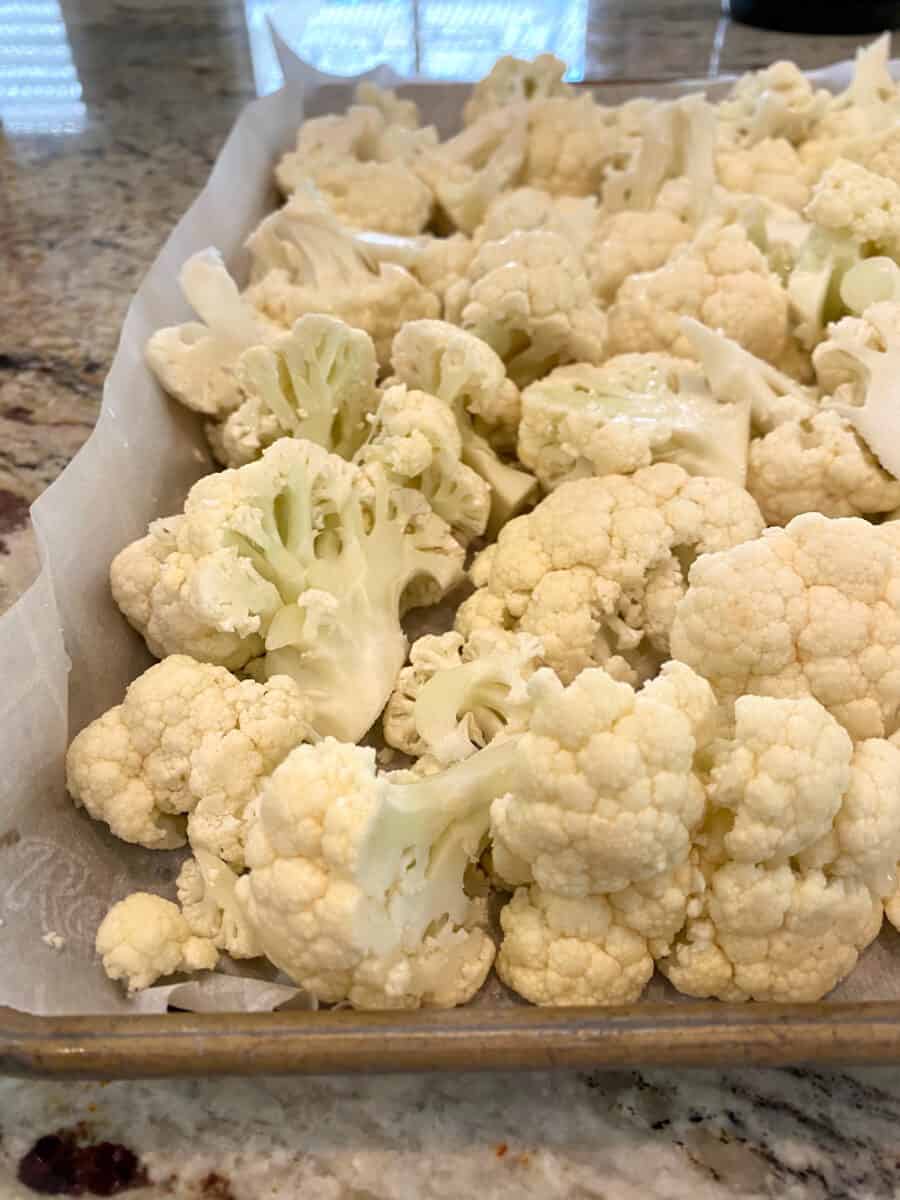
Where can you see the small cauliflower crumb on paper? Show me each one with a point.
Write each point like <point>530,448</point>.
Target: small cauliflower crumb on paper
<point>53,939</point>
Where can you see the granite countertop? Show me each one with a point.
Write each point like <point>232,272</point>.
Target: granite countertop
<point>82,214</point>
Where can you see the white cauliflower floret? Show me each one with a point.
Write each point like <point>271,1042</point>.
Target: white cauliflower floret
<point>468,171</point>
<point>144,937</point>
<point>528,297</point>
<point>869,403</point>
<point>361,162</point>
<point>196,362</point>
<point>458,694</point>
<point>187,736</point>
<point>853,202</point>
<point>818,464</point>
<point>606,793</point>
<point>878,152</point>
<point>767,932</point>
<point>634,410</point>
<point>527,208</point>
<point>656,908</point>
<point>595,571</point>
<point>516,81</point>
<point>809,610</point>
<point>783,775</point>
<point>355,887</point>
<point>630,243</point>
<point>299,562</point>
<point>469,377</point>
<point>770,168</point>
<point>570,142</point>
<point>415,442</point>
<point>722,280</point>
<point>735,375</point>
<point>559,950</point>
<point>776,102</point>
<point>304,262</point>
<point>443,261</point>
<point>206,893</point>
<point>316,382</point>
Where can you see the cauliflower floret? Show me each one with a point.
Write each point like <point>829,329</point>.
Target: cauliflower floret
<point>187,734</point>
<point>528,297</point>
<point>606,793</point>
<point>458,694</point>
<point>527,208</point>
<point>767,932</point>
<point>514,81</point>
<point>316,382</point>
<point>469,377</point>
<point>467,171</point>
<point>853,202</point>
<point>415,442</point>
<point>304,262</point>
<point>776,102</point>
<point>598,566</point>
<point>819,464</point>
<point>569,144</point>
<point>298,561</point>
<point>144,936</point>
<point>869,402</point>
<point>722,280</point>
<point>770,168</point>
<point>878,152</point>
<point>809,610</point>
<point>206,894</point>
<point>442,262</point>
<point>361,162</point>
<point>630,243</point>
<point>196,362</point>
<point>559,950</point>
<point>355,888</point>
<point>656,908</point>
<point>634,410</point>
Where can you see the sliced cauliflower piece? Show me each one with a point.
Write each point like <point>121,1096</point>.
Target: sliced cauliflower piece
<point>196,362</point>
<point>187,734</point>
<point>458,694</point>
<point>606,793</point>
<point>560,950</point>
<point>598,567</point>
<point>144,937</point>
<point>723,280</point>
<point>514,81</point>
<point>469,377</point>
<point>300,562</point>
<point>636,409</point>
<point>355,887</point>
<point>415,442</point>
<point>316,382</point>
<point>528,297</point>
<point>809,610</point>
<point>819,464</point>
<point>206,893</point>
<point>768,932</point>
<point>468,171</point>
<point>303,262</point>
<point>776,102</point>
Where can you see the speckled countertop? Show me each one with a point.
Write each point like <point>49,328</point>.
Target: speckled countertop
<point>81,216</point>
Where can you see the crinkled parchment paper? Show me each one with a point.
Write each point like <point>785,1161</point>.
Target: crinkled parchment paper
<point>66,654</point>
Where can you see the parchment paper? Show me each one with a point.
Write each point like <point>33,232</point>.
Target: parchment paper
<point>66,654</point>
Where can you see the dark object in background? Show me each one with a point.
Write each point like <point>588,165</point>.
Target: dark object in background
<point>817,16</point>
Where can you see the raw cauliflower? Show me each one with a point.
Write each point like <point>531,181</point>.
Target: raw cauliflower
<point>528,297</point>
<point>514,81</point>
<point>819,464</point>
<point>299,562</point>
<point>611,795</point>
<point>189,738</point>
<point>809,610</point>
<point>458,694</point>
<point>560,950</point>
<point>596,570</point>
<point>316,382</point>
<point>776,102</point>
<point>722,280</point>
<point>144,937</point>
<point>634,410</point>
<point>770,168</point>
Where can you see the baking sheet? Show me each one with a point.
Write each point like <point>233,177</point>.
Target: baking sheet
<point>66,654</point>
